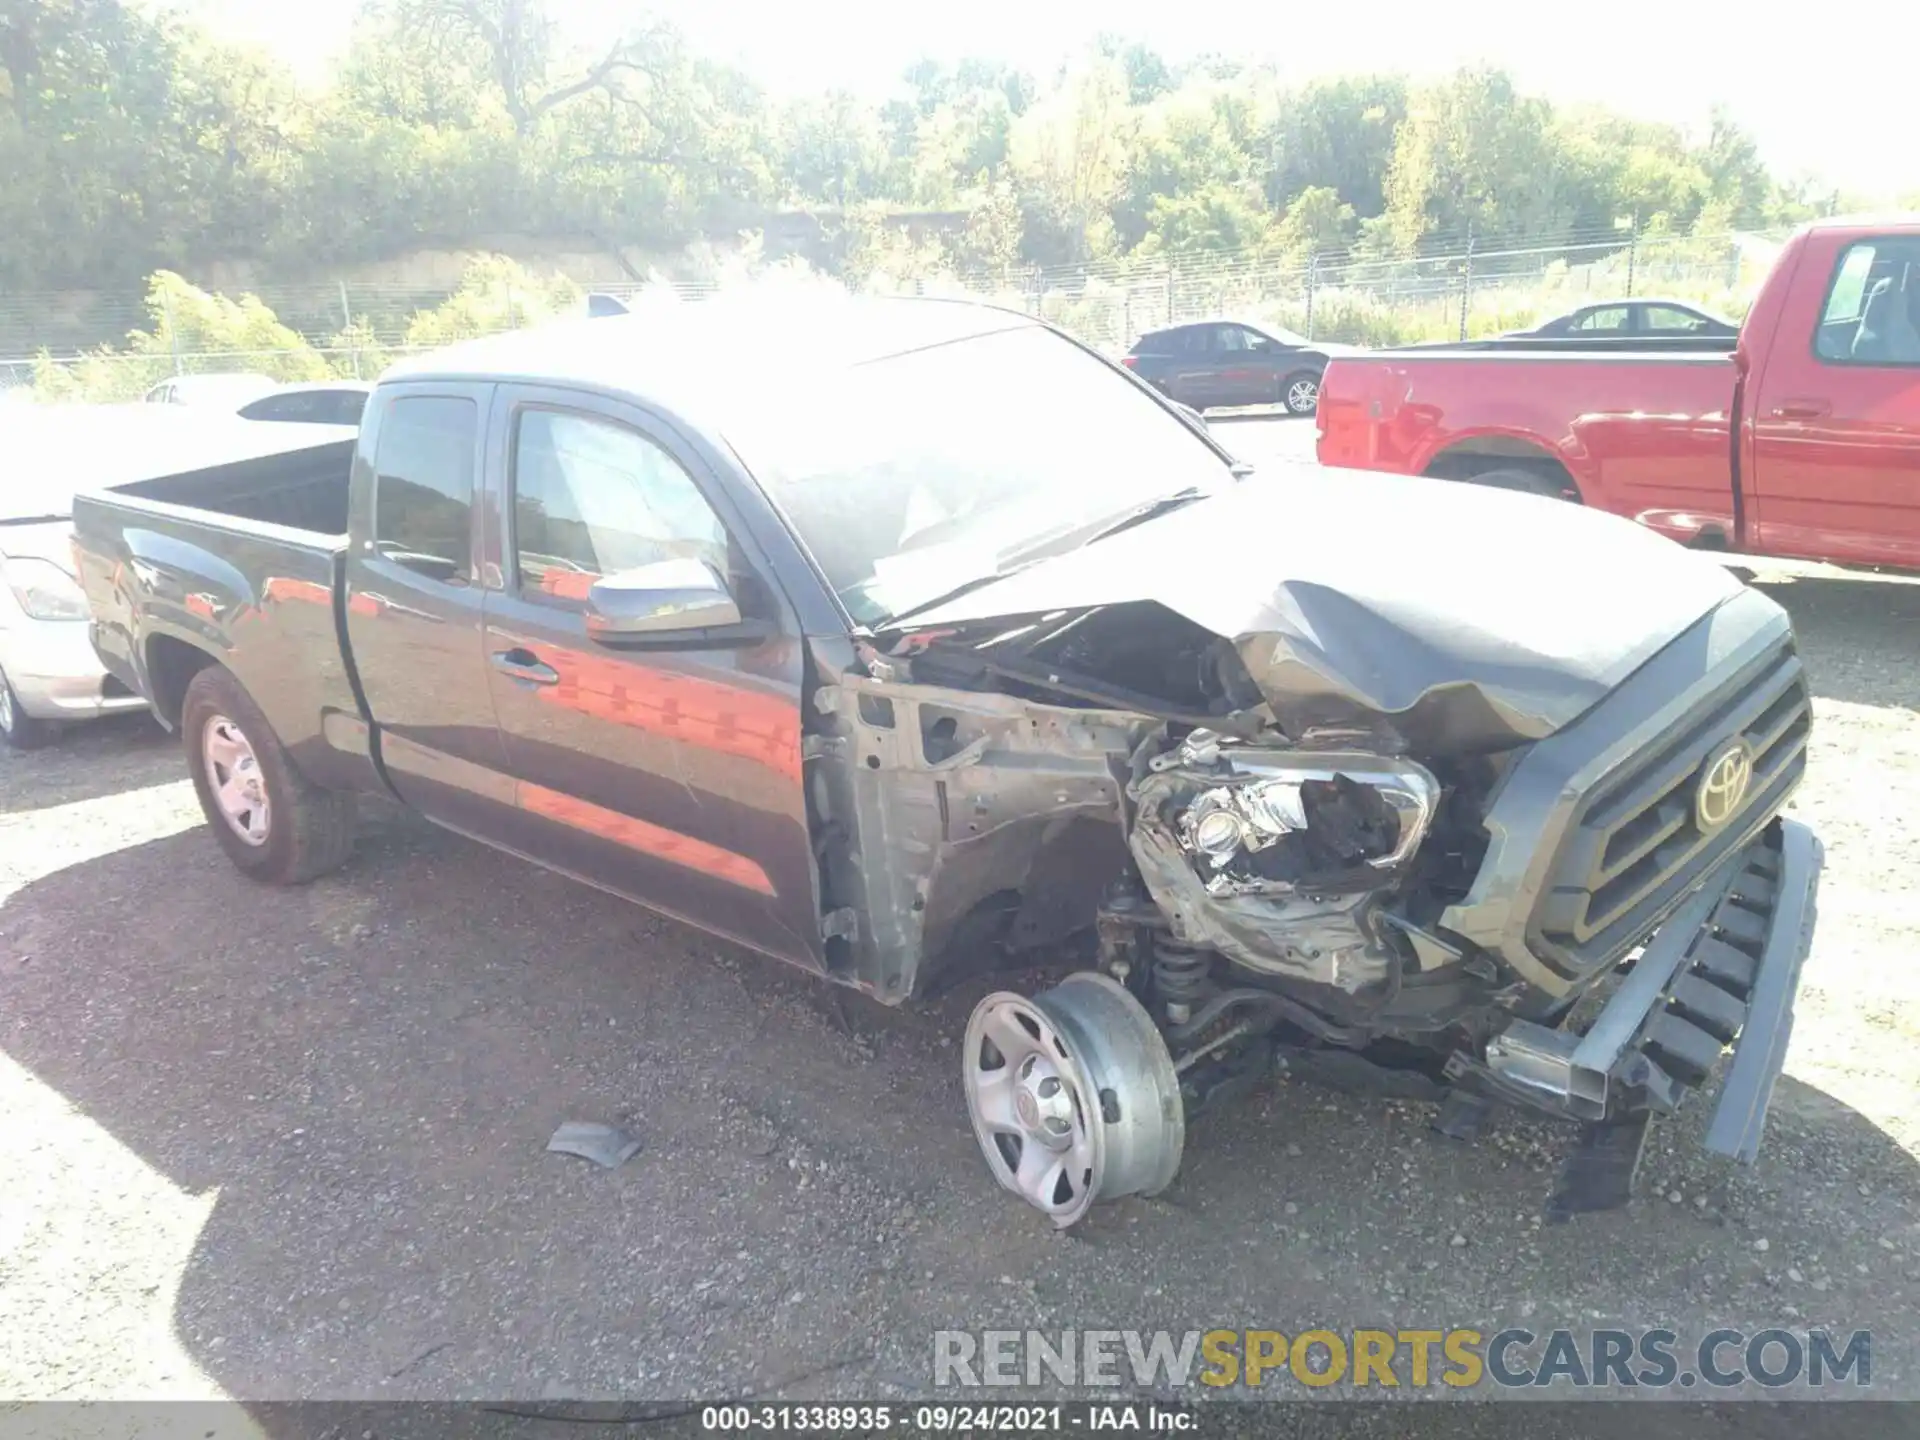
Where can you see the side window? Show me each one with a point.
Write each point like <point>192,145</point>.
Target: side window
<point>1872,312</point>
<point>280,407</point>
<point>423,493</point>
<point>592,498</point>
<point>346,405</point>
<point>1613,317</point>
<point>1665,320</point>
<point>1848,293</point>
<point>1230,339</point>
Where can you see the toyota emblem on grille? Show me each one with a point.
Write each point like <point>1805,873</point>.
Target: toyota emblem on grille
<point>1722,787</point>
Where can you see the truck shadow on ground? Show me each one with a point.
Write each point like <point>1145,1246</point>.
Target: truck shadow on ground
<point>365,1072</point>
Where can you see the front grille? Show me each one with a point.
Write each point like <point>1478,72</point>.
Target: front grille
<point>1634,848</point>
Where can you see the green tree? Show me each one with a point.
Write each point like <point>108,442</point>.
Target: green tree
<point>131,142</point>
<point>1187,179</point>
<point>1735,175</point>
<point>495,294</point>
<point>1338,134</point>
<point>1148,75</point>
<point>990,243</point>
<point>523,54</point>
<point>833,152</point>
<point>1317,222</point>
<point>1069,155</point>
<point>1214,217</point>
<point>1475,155</point>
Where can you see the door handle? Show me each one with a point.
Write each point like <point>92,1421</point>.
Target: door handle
<point>1801,409</point>
<point>525,665</point>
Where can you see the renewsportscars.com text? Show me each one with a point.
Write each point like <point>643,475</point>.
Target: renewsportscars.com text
<point>1380,1359</point>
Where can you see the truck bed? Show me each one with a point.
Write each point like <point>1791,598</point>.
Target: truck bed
<point>239,561</point>
<point>298,489</point>
<point>1642,434</point>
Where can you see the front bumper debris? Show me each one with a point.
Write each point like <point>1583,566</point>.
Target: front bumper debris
<point>1720,973</point>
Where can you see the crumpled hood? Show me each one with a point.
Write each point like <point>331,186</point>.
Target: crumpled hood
<point>1473,618</point>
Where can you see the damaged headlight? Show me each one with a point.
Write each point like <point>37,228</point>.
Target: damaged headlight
<point>1257,819</point>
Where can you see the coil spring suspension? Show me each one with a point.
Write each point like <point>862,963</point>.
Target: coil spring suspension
<point>1180,977</point>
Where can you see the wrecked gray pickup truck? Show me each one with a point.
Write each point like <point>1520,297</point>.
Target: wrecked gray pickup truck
<point>915,633</point>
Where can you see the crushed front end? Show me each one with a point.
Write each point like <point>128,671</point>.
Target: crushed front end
<point>1469,898</point>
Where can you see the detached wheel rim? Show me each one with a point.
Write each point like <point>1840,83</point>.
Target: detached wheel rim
<point>1303,397</point>
<point>1073,1096</point>
<point>233,773</point>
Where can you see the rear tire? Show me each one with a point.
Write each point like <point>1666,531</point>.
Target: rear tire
<point>1300,393</point>
<point>275,825</point>
<point>1527,482</point>
<point>19,730</point>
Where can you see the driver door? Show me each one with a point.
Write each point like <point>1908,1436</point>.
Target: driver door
<point>663,766</point>
<point>1244,361</point>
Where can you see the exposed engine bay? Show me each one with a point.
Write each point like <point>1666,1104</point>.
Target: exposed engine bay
<point>1037,776</point>
<point>1314,862</point>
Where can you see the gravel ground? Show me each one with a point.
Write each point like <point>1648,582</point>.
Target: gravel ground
<point>290,1144</point>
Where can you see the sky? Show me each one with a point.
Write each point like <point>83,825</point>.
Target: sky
<point>1848,119</point>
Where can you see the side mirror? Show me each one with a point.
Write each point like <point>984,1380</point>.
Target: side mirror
<point>660,598</point>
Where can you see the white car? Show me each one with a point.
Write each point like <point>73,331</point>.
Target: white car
<point>220,392</point>
<point>49,674</point>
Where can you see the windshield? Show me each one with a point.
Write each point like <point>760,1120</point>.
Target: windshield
<point>910,476</point>
<point>1286,337</point>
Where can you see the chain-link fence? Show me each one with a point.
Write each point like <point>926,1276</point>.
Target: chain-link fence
<point>1479,289</point>
<point>1478,286</point>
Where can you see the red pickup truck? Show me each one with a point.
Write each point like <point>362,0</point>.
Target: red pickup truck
<point>1803,442</point>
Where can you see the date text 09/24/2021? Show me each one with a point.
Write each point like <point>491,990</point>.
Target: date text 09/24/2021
<point>854,1419</point>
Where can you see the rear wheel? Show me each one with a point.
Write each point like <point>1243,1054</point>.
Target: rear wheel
<point>19,730</point>
<point>1073,1096</point>
<point>1300,393</point>
<point>274,823</point>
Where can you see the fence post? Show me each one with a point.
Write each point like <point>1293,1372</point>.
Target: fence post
<point>1466,284</point>
<point>1633,253</point>
<point>1169,319</point>
<point>346,322</point>
<point>1313,278</point>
